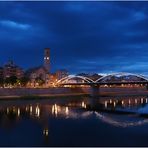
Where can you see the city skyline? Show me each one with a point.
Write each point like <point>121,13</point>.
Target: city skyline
<point>99,37</point>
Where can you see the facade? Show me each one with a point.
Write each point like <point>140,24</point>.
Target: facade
<point>10,69</point>
<point>1,72</point>
<point>38,76</point>
<point>47,59</point>
<point>37,73</point>
<point>61,74</point>
<point>40,73</point>
<point>52,79</point>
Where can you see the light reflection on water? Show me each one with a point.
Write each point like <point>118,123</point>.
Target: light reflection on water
<point>37,110</point>
<point>73,110</point>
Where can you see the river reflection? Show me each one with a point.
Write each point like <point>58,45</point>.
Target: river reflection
<point>47,115</point>
<point>70,109</point>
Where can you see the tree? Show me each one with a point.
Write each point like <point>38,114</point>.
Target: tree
<point>1,81</point>
<point>12,80</point>
<point>40,81</point>
<point>24,81</point>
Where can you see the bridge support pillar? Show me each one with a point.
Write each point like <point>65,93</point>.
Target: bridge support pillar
<point>95,90</point>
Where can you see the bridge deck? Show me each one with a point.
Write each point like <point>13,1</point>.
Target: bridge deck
<point>107,83</point>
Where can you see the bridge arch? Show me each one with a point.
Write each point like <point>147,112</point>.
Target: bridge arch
<point>121,73</point>
<point>65,79</point>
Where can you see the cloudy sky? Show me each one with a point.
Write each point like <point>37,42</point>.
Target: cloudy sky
<point>88,37</point>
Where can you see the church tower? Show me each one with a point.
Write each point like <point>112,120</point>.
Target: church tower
<point>47,59</point>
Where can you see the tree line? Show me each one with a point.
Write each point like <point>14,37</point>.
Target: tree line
<point>13,81</point>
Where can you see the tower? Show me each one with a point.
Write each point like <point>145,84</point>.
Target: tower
<point>47,59</point>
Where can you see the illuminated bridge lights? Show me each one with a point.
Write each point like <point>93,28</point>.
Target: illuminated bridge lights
<point>134,80</point>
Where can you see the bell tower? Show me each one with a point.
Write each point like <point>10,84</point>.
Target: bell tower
<point>47,59</point>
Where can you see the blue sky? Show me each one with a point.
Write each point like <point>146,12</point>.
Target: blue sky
<point>87,36</point>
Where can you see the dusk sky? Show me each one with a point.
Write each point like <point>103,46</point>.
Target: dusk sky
<point>99,37</point>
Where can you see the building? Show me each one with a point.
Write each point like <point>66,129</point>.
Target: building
<point>37,73</point>
<point>41,72</point>
<point>61,74</point>
<point>1,72</point>
<point>47,59</point>
<point>52,79</point>
<point>11,69</point>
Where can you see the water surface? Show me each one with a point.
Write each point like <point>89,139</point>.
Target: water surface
<point>76,121</point>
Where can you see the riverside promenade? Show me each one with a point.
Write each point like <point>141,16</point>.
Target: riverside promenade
<point>8,93</point>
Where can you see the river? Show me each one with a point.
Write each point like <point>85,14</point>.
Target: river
<point>75,121</point>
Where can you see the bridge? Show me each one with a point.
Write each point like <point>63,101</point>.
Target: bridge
<point>116,79</point>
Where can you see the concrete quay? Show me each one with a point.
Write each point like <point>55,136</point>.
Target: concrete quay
<point>15,93</point>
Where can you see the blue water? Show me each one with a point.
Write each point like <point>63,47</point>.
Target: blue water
<point>74,122</point>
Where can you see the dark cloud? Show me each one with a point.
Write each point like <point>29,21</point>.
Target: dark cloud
<point>83,36</point>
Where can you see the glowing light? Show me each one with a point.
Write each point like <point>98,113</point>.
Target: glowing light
<point>129,101</point>
<point>30,109</point>
<point>110,101</point>
<point>105,104</point>
<point>7,110</point>
<point>141,100</point>
<point>67,111</point>
<point>26,108</point>
<point>146,100</point>
<point>37,111</point>
<point>83,104</point>
<point>13,109</point>
<point>122,102</point>
<point>114,104</point>
<point>55,109</point>
<point>45,132</point>
<point>136,101</point>
<point>18,112</point>
<point>52,109</point>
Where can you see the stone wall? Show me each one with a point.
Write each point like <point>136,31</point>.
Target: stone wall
<point>38,91</point>
<point>52,91</point>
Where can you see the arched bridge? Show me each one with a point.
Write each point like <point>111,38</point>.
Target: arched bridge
<point>110,79</point>
<point>75,80</point>
<point>116,79</point>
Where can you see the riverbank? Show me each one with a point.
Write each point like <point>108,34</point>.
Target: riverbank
<point>38,93</point>
<point>21,92</point>
<point>28,97</point>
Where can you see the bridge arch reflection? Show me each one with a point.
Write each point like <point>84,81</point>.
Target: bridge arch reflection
<point>42,113</point>
<point>120,123</point>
